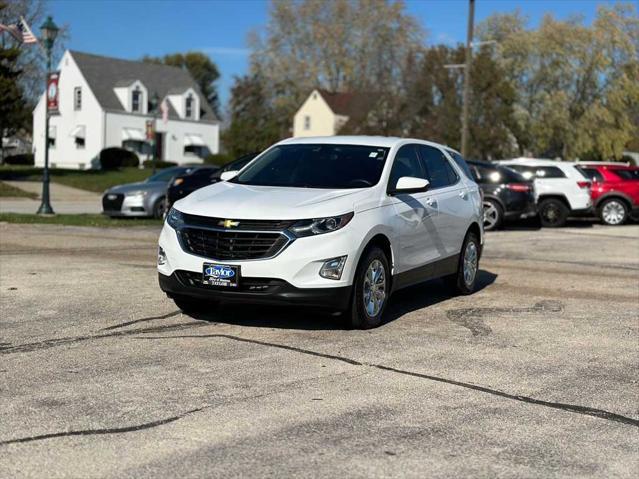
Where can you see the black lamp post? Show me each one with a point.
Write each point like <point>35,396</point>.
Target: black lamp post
<point>49,33</point>
<point>155,102</point>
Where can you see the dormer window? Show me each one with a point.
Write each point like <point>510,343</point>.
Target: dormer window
<point>188,107</point>
<point>136,100</point>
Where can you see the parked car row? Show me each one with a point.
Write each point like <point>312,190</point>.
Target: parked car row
<point>556,190</point>
<point>512,190</point>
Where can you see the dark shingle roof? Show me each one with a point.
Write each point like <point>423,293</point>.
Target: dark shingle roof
<point>346,103</point>
<point>104,74</point>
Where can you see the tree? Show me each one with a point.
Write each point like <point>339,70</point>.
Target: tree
<point>202,69</point>
<point>576,85</point>
<point>254,124</point>
<point>340,45</point>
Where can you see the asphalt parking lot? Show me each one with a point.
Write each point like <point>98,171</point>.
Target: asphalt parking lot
<point>533,376</point>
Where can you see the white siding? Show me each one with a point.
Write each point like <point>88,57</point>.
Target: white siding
<point>65,154</point>
<point>323,122</point>
<point>174,131</point>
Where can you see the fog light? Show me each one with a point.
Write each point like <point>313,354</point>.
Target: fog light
<point>161,256</point>
<point>332,268</point>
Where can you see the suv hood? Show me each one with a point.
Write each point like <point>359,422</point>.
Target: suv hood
<point>231,200</point>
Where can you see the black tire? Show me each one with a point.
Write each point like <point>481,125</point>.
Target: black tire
<point>361,317</point>
<point>496,215</point>
<point>458,282</point>
<point>553,213</point>
<point>159,207</point>
<point>193,305</point>
<point>613,212</point>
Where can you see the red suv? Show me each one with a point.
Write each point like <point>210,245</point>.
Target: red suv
<point>615,190</point>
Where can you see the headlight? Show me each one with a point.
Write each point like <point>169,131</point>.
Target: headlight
<point>320,226</point>
<point>178,181</point>
<point>175,219</point>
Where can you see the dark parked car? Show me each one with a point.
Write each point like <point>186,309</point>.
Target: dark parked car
<point>186,184</point>
<point>507,194</point>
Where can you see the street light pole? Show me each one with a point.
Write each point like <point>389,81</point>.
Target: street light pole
<point>469,54</point>
<point>49,33</point>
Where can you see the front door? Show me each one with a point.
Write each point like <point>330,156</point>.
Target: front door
<point>414,215</point>
<point>159,146</point>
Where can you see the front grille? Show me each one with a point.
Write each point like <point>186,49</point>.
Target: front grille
<point>114,204</point>
<point>252,285</point>
<point>232,245</point>
<point>242,225</point>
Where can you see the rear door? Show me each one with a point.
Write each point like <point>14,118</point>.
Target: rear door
<point>450,194</point>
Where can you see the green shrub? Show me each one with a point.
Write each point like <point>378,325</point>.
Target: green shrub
<point>158,164</point>
<point>115,158</point>
<point>23,159</point>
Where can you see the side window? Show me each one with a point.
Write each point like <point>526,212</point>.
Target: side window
<point>406,164</point>
<point>549,172</point>
<point>525,171</point>
<point>438,170</point>
<point>592,174</point>
<point>461,163</point>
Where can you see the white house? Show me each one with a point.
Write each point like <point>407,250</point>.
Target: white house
<point>324,113</point>
<point>104,102</point>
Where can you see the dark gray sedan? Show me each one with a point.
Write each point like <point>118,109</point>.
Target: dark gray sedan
<point>143,199</point>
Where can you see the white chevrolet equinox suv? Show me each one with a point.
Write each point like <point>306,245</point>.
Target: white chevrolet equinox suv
<point>337,223</point>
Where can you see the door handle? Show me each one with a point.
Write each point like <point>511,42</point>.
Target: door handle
<point>429,201</point>
<point>462,195</point>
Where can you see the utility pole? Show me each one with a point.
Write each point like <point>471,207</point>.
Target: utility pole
<point>469,55</point>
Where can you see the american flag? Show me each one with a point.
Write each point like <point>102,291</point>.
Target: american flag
<point>27,34</point>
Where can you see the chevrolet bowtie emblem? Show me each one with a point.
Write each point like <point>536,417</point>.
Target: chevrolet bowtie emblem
<point>229,223</point>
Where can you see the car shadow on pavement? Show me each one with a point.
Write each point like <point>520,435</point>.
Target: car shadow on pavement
<point>293,317</point>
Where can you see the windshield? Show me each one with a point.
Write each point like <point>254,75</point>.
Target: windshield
<point>166,175</point>
<point>327,166</point>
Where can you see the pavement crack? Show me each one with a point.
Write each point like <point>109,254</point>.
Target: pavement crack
<point>97,432</point>
<point>52,343</point>
<point>152,318</point>
<point>572,408</point>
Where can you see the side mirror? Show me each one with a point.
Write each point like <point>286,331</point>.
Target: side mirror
<point>228,175</point>
<point>410,184</point>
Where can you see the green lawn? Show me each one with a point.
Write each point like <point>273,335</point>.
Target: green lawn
<point>8,190</point>
<point>91,180</point>
<point>78,220</point>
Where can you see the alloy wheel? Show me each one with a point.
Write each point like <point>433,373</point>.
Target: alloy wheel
<point>491,215</point>
<point>613,212</point>
<point>374,288</point>
<point>470,263</point>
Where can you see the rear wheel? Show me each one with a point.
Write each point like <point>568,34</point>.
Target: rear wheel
<point>371,290</point>
<point>159,207</point>
<point>493,215</point>
<point>613,212</point>
<point>464,280</point>
<point>553,213</point>
<point>193,305</point>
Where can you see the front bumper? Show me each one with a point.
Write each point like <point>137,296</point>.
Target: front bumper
<point>258,291</point>
<point>128,206</point>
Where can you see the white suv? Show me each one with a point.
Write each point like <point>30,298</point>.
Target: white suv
<point>337,223</point>
<point>561,189</point>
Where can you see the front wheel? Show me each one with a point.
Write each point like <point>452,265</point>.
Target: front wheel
<point>553,213</point>
<point>613,212</point>
<point>371,290</point>
<point>465,279</point>
<point>159,207</point>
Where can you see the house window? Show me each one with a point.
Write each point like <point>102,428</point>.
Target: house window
<point>307,122</point>
<point>77,98</point>
<point>136,100</point>
<point>51,142</point>
<point>189,106</point>
<point>79,142</point>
